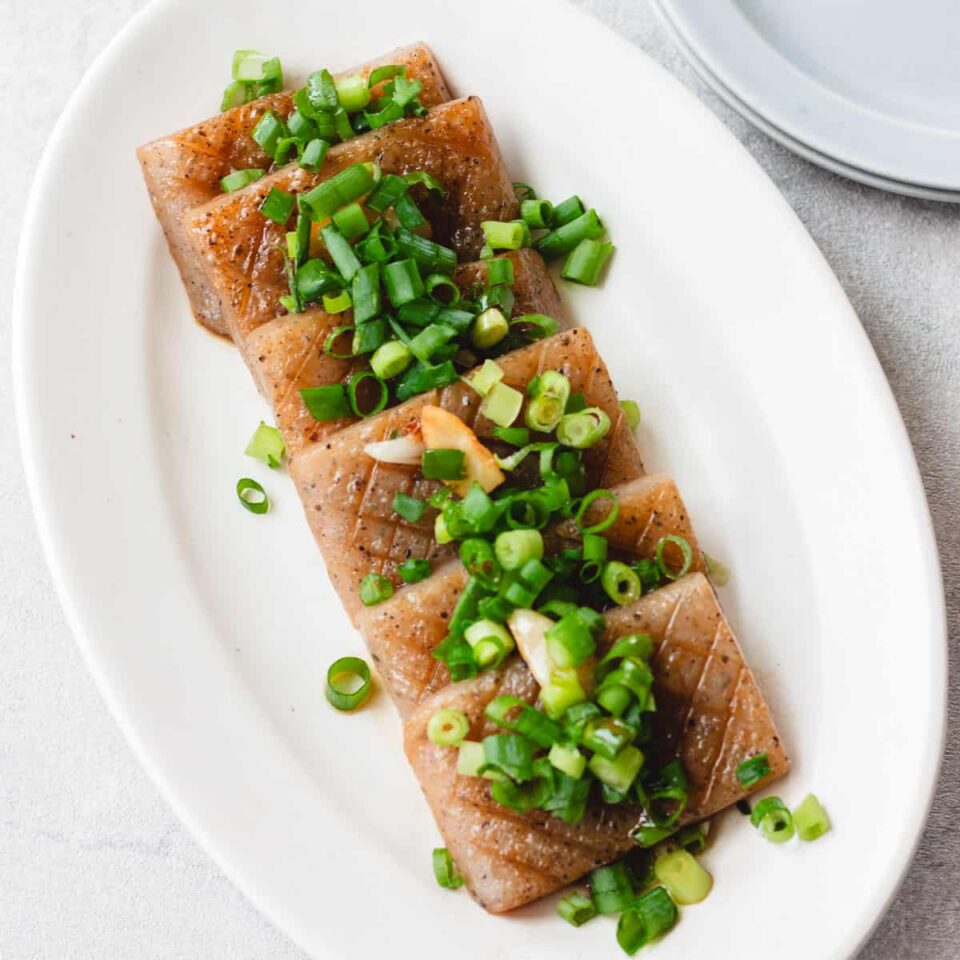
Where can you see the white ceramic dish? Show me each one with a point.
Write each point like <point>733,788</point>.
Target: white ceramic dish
<point>209,629</point>
<point>869,91</point>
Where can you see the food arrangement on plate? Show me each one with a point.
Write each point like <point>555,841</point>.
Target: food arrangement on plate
<point>537,606</point>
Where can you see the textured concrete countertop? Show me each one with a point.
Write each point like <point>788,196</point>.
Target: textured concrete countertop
<point>92,862</point>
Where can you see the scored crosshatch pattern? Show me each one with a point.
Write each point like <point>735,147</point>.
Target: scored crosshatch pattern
<point>242,251</point>
<point>287,354</point>
<point>402,632</point>
<point>509,859</point>
<point>356,528</point>
<point>183,170</point>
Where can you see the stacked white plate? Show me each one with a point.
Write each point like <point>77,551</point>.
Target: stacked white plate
<point>868,90</point>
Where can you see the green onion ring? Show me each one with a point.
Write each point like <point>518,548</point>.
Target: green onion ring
<point>353,388</point>
<point>339,670</point>
<point>252,501</point>
<point>447,728</point>
<point>437,281</point>
<point>592,497</point>
<point>684,549</point>
<point>330,343</point>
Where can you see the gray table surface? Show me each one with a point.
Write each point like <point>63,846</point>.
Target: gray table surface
<point>93,864</point>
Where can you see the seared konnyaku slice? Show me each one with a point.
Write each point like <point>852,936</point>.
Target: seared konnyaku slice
<point>348,496</point>
<point>710,713</point>
<point>402,632</point>
<point>241,250</point>
<point>287,354</point>
<point>184,169</point>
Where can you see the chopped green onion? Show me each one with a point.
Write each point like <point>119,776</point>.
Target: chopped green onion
<point>534,326</point>
<point>368,403</point>
<point>568,759</point>
<point>326,403</point>
<point>444,870</point>
<point>685,549</point>
<point>315,278</point>
<point>486,378</point>
<point>338,303</point>
<point>390,359</point>
<point>490,641</point>
<point>442,290</point>
<point>314,153</point>
<point>514,548</point>
<point>351,221</point>
<point>374,589</point>
<point>268,131</point>
<point>278,205</point>
<point>410,508</point>
<point>414,570</point>
<point>591,498</point>
<point>567,210</point>
<point>433,257</point>
<point>620,772</point>
<point>502,405</point>
<point>330,344</point>
<point>431,340</point>
<point>620,583</point>
<point>719,573</point>
<point>322,91</point>
<point>510,753</point>
<point>571,640</point>
<point>773,819</point>
<point>390,190</point>
<point>446,728</point>
<point>443,464</point>
<point>344,259</point>
<point>649,916</point>
<point>586,261</point>
<point>584,429</point>
<point>686,881</point>
<point>489,329</point>
<point>536,213</point>
<point>386,72</point>
<point>810,818</point>
<point>425,377</point>
<point>326,198</point>
<point>576,909</point>
<point>343,690</point>
<point>631,412</point>
<point>514,715</point>
<point>252,496</point>
<point>500,271</point>
<point>266,445</point>
<point>403,282</point>
<point>353,92</point>
<point>368,336</point>
<point>752,771</point>
<point>239,179</point>
<point>366,293</point>
<point>693,839</point>
<point>563,239</point>
<point>515,436</point>
<point>611,888</point>
<point>471,759</point>
<point>408,213</point>
<point>503,235</point>
<point>543,414</point>
<point>563,691</point>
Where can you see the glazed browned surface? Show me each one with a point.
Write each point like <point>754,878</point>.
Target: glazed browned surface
<point>402,632</point>
<point>184,169</point>
<point>348,496</point>
<point>287,354</point>
<point>710,712</point>
<point>241,249</point>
